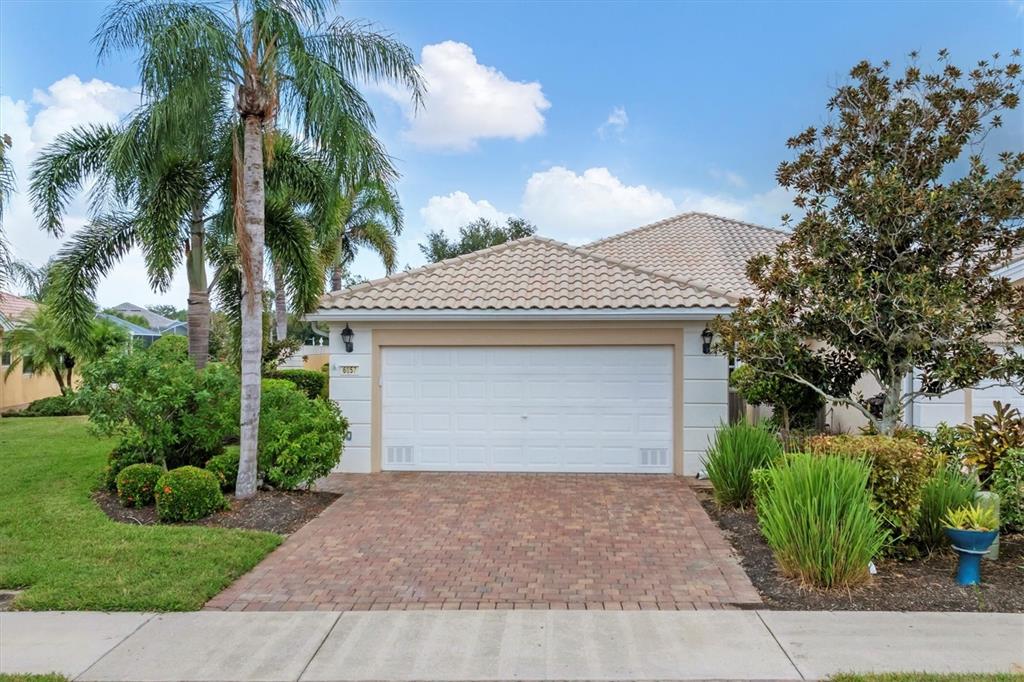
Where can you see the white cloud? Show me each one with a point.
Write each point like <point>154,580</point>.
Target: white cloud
<point>34,124</point>
<point>615,123</point>
<point>454,210</point>
<point>568,205</point>
<point>580,207</point>
<point>468,101</point>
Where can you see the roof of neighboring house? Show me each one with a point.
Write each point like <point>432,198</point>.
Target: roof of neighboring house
<point>527,274</point>
<point>14,308</point>
<point>698,248</point>
<point>154,320</point>
<point>133,329</point>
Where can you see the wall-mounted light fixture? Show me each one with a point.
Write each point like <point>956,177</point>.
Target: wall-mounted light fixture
<point>346,337</point>
<point>707,336</point>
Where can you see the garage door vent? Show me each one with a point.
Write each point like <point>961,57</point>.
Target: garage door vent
<point>653,457</point>
<point>399,454</point>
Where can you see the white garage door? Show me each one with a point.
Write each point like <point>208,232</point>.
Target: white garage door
<point>573,409</point>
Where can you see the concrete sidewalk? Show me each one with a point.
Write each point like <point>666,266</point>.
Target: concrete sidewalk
<point>497,645</point>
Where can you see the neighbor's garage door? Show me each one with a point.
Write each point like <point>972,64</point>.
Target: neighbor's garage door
<point>574,409</point>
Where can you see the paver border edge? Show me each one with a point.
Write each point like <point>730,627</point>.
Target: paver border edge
<point>149,616</point>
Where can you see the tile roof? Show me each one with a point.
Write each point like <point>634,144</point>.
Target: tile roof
<point>14,308</point>
<point>527,274</point>
<point>698,248</point>
<point>153,320</point>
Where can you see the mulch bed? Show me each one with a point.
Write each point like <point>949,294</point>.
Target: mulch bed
<point>276,511</point>
<point>926,584</point>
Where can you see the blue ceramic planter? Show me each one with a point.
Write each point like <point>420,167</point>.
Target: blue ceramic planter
<point>970,545</point>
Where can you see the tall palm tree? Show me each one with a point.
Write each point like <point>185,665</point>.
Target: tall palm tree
<point>283,61</point>
<point>151,191</point>
<point>6,190</point>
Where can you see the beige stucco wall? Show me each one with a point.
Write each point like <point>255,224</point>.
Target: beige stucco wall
<point>18,390</point>
<point>701,389</point>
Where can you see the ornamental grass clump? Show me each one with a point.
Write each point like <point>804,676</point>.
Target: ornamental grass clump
<point>816,514</point>
<point>944,491</point>
<point>738,450</point>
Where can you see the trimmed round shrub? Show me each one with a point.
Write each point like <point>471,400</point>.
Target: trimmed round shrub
<point>816,513</point>
<point>738,450</point>
<point>899,469</point>
<point>225,468</point>
<point>187,493</point>
<point>129,451</point>
<point>944,491</point>
<point>300,439</point>
<point>136,484</point>
<point>1008,482</point>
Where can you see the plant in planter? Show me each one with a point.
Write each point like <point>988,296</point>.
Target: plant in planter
<point>972,529</point>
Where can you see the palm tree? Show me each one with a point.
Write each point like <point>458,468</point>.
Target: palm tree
<point>6,190</point>
<point>151,191</point>
<point>39,342</point>
<point>284,62</point>
<point>371,217</point>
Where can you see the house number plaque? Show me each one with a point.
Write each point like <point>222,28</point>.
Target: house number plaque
<point>349,369</point>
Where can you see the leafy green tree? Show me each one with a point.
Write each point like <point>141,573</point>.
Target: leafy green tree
<point>168,311</point>
<point>792,403</point>
<point>891,268</point>
<point>479,234</point>
<point>282,61</point>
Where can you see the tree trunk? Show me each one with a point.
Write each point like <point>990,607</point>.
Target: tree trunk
<point>198,298</point>
<point>280,304</point>
<point>336,275</point>
<point>252,303</point>
<point>891,414</point>
<point>60,380</point>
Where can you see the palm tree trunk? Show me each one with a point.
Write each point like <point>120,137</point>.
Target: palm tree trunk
<point>280,304</point>
<point>336,274</point>
<point>198,297</point>
<point>252,303</point>
<point>60,380</point>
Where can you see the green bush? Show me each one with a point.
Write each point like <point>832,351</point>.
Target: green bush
<point>129,451</point>
<point>738,450</point>
<point>816,514</point>
<point>181,415</point>
<point>945,490</point>
<point>313,384</point>
<point>53,406</point>
<point>1008,482</point>
<point>794,405</point>
<point>186,494</point>
<point>300,439</point>
<point>170,348</point>
<point>899,469</point>
<point>136,484</point>
<point>225,468</point>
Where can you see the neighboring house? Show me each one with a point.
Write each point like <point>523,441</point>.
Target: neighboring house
<point>538,356</point>
<point>26,383</point>
<point>141,336</point>
<point>154,321</point>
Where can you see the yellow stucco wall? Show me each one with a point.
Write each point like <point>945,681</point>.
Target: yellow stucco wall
<point>18,390</point>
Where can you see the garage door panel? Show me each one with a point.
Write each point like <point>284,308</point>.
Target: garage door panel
<point>538,409</point>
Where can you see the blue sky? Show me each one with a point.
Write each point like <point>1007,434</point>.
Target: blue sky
<point>585,118</point>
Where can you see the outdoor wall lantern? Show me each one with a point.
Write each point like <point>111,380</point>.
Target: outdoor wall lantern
<point>707,336</point>
<point>346,337</point>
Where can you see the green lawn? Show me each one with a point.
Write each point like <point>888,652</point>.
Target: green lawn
<point>930,677</point>
<point>59,546</point>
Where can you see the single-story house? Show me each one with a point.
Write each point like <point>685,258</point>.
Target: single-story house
<point>26,383</point>
<point>537,356</point>
<point>154,321</point>
<point>141,336</point>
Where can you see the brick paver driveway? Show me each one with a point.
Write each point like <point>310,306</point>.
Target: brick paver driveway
<point>421,540</point>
